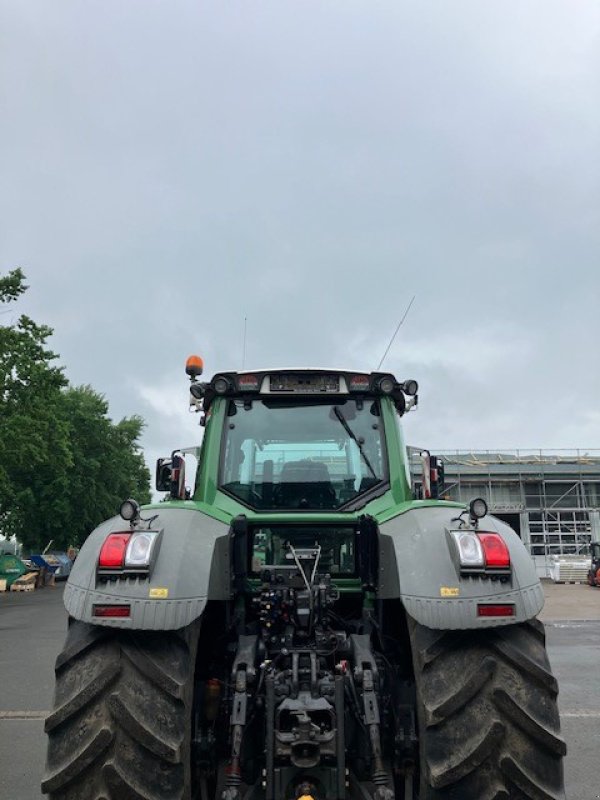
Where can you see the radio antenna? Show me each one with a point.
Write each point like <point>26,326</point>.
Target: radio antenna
<point>244,344</point>
<point>387,349</point>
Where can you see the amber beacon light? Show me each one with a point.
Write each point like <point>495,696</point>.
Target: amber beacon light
<point>194,366</point>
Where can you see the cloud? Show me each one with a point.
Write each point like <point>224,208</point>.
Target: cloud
<point>172,169</point>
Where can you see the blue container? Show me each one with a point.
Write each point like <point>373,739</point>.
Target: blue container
<point>57,564</point>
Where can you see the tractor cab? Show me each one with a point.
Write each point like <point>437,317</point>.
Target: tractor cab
<point>302,453</point>
<point>299,440</point>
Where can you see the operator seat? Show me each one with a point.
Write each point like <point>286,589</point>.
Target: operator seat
<point>304,484</point>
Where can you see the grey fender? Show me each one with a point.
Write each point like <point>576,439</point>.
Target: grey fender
<point>191,568</point>
<point>416,565</point>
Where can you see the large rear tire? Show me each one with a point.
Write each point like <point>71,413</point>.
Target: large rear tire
<point>488,717</point>
<point>121,724</point>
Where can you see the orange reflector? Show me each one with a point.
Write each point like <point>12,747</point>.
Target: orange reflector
<point>194,366</point>
<point>112,611</point>
<point>212,698</point>
<point>491,610</point>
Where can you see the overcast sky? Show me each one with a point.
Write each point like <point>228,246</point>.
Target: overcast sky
<point>169,168</point>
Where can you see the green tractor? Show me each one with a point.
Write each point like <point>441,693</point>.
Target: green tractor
<point>303,624</point>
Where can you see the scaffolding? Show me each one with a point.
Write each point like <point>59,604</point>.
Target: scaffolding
<point>551,498</point>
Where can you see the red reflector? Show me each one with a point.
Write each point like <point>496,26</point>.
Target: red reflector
<point>488,610</point>
<point>112,554</point>
<point>359,383</point>
<point>248,382</point>
<point>112,611</point>
<point>495,550</point>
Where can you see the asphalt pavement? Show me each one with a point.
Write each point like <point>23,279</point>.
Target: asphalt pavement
<point>33,627</point>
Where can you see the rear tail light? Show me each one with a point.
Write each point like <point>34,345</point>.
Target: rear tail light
<point>119,611</point>
<point>495,551</point>
<point>112,554</point>
<point>124,553</point>
<point>481,552</point>
<point>140,549</point>
<point>470,551</point>
<point>495,610</point>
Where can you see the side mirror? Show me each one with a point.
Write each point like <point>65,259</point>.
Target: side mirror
<point>170,476</point>
<point>425,475</point>
<point>432,476</point>
<point>438,477</point>
<point>178,477</point>
<point>163,474</point>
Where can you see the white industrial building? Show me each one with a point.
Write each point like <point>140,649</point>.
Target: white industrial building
<point>550,498</point>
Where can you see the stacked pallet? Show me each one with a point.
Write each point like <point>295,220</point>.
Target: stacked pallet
<point>26,583</point>
<point>572,569</point>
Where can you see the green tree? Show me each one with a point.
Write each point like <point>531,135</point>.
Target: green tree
<point>64,465</point>
<point>106,466</point>
<point>31,437</point>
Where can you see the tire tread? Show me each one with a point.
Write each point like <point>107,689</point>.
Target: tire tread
<point>488,716</point>
<point>121,725</point>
